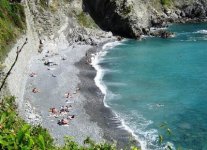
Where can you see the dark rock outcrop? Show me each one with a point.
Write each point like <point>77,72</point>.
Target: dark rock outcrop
<point>162,33</point>
<point>113,16</point>
<point>132,18</point>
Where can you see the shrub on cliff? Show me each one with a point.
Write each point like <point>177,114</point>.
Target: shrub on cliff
<point>16,134</point>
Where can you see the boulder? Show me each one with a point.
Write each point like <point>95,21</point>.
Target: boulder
<point>162,33</point>
<point>165,34</point>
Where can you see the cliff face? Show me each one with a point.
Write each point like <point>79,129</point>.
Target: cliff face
<point>131,18</point>
<point>119,17</point>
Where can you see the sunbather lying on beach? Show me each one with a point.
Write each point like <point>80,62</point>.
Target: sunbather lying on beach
<point>65,108</point>
<point>35,90</point>
<point>67,95</point>
<point>63,121</point>
<point>33,74</point>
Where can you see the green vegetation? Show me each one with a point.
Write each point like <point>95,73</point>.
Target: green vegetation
<point>85,20</point>
<point>166,2</point>
<point>12,21</point>
<point>16,134</point>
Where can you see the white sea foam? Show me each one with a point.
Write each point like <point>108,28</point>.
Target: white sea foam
<point>201,31</point>
<point>111,45</point>
<point>189,40</point>
<point>103,88</point>
<point>100,72</point>
<point>147,137</point>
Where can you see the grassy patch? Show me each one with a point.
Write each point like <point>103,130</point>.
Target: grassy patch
<point>12,21</point>
<point>85,20</point>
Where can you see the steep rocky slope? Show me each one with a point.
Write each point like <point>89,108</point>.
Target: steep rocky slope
<point>49,18</point>
<point>131,18</point>
<point>44,22</point>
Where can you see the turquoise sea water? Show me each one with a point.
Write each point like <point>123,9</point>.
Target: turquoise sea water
<point>161,81</point>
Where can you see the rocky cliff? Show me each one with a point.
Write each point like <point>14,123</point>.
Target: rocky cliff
<point>131,18</point>
<point>128,18</point>
<point>49,16</point>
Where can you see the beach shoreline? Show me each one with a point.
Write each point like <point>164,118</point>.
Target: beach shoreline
<point>104,116</point>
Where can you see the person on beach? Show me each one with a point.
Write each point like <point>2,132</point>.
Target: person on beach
<point>33,74</point>
<point>64,109</point>
<point>71,117</point>
<point>53,110</point>
<point>35,90</point>
<point>67,95</point>
<point>67,108</point>
<point>63,121</point>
